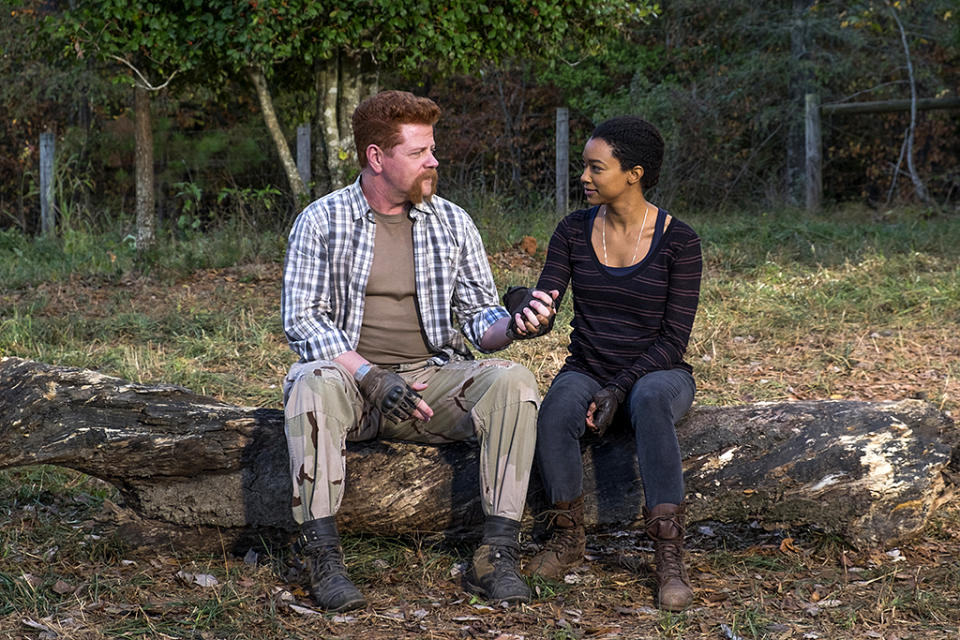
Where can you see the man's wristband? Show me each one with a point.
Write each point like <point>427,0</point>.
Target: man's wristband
<point>362,371</point>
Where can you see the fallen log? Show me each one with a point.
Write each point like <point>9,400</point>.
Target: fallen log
<point>872,472</point>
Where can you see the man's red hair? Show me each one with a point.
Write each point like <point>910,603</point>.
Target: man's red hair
<point>377,120</point>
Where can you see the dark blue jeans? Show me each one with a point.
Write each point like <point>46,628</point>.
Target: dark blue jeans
<point>655,404</point>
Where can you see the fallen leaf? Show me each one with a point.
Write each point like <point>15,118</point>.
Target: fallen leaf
<point>35,625</point>
<point>393,614</point>
<point>342,619</point>
<point>62,587</point>
<point>202,579</point>
<point>304,610</point>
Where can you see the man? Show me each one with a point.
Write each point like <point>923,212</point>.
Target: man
<point>374,275</point>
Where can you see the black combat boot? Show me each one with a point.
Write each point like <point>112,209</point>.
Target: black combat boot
<point>494,572</point>
<point>330,587</point>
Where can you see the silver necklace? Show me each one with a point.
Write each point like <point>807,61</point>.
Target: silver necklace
<point>603,234</point>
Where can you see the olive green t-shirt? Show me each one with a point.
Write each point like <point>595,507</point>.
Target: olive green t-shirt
<point>391,331</point>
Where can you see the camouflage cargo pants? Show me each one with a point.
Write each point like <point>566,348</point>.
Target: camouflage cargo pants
<point>493,401</point>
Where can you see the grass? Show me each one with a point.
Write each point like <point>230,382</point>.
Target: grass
<point>850,304</point>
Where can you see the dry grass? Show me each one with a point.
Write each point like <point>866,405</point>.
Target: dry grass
<point>65,573</point>
<point>773,325</point>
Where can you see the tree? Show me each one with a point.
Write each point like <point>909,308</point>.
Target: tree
<point>146,48</point>
<point>413,37</point>
<point>346,47</point>
<point>907,43</point>
<point>920,188</point>
<point>251,39</point>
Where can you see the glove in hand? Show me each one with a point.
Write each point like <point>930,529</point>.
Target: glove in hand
<point>606,402</point>
<point>516,299</point>
<point>388,392</point>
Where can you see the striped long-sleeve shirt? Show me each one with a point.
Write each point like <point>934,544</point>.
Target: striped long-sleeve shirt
<point>625,326</point>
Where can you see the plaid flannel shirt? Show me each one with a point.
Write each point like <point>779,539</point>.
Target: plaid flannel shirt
<point>329,255</point>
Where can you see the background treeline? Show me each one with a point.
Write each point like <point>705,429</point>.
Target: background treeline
<point>724,81</point>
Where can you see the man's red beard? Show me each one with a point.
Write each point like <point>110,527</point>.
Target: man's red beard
<point>423,187</point>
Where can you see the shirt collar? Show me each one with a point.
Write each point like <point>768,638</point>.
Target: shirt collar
<point>363,209</point>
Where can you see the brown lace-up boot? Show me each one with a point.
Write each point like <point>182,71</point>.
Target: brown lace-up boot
<point>564,549</point>
<point>664,524</point>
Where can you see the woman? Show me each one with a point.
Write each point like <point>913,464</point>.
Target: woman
<point>635,272</point>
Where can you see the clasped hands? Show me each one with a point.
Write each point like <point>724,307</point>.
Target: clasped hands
<point>532,312</point>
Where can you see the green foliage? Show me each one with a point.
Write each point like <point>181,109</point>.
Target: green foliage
<point>725,82</point>
<point>262,34</point>
<point>411,35</point>
<point>465,36</point>
<point>148,45</point>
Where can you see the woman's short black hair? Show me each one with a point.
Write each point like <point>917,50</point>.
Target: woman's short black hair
<point>634,141</point>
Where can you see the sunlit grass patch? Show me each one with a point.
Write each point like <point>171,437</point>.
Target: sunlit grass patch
<point>793,307</point>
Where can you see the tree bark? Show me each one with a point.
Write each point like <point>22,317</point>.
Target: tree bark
<point>342,84</point>
<point>143,153</point>
<point>918,185</point>
<point>259,81</point>
<point>799,86</point>
<point>871,472</point>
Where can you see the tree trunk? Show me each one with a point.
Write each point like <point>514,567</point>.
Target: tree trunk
<point>342,83</point>
<point>918,185</point>
<point>871,472</point>
<point>279,140</point>
<point>799,87</point>
<point>143,152</point>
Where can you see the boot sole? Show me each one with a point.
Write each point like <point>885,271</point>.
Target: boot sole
<point>349,605</point>
<point>475,588</point>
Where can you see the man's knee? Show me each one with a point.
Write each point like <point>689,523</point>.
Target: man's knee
<point>322,390</point>
<point>515,381</point>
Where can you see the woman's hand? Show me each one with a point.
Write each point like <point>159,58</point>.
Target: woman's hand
<point>532,312</point>
<point>603,406</point>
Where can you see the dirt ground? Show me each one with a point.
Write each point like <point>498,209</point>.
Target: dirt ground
<point>749,582</point>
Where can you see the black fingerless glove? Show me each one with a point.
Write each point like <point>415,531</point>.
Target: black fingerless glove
<point>516,299</point>
<point>607,400</point>
<point>388,392</point>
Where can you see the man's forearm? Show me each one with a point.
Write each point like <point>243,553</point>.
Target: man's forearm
<point>351,361</point>
<point>495,337</point>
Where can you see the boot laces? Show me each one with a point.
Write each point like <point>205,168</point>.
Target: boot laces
<point>561,535</point>
<point>562,539</point>
<point>328,561</point>
<point>670,559</point>
<point>669,551</point>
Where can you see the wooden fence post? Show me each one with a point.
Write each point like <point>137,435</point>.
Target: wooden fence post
<point>48,217</point>
<point>303,154</point>
<point>563,159</point>
<point>813,174</point>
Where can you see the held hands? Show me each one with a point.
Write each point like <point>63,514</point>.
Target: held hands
<point>388,392</point>
<point>602,408</point>
<point>531,312</point>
